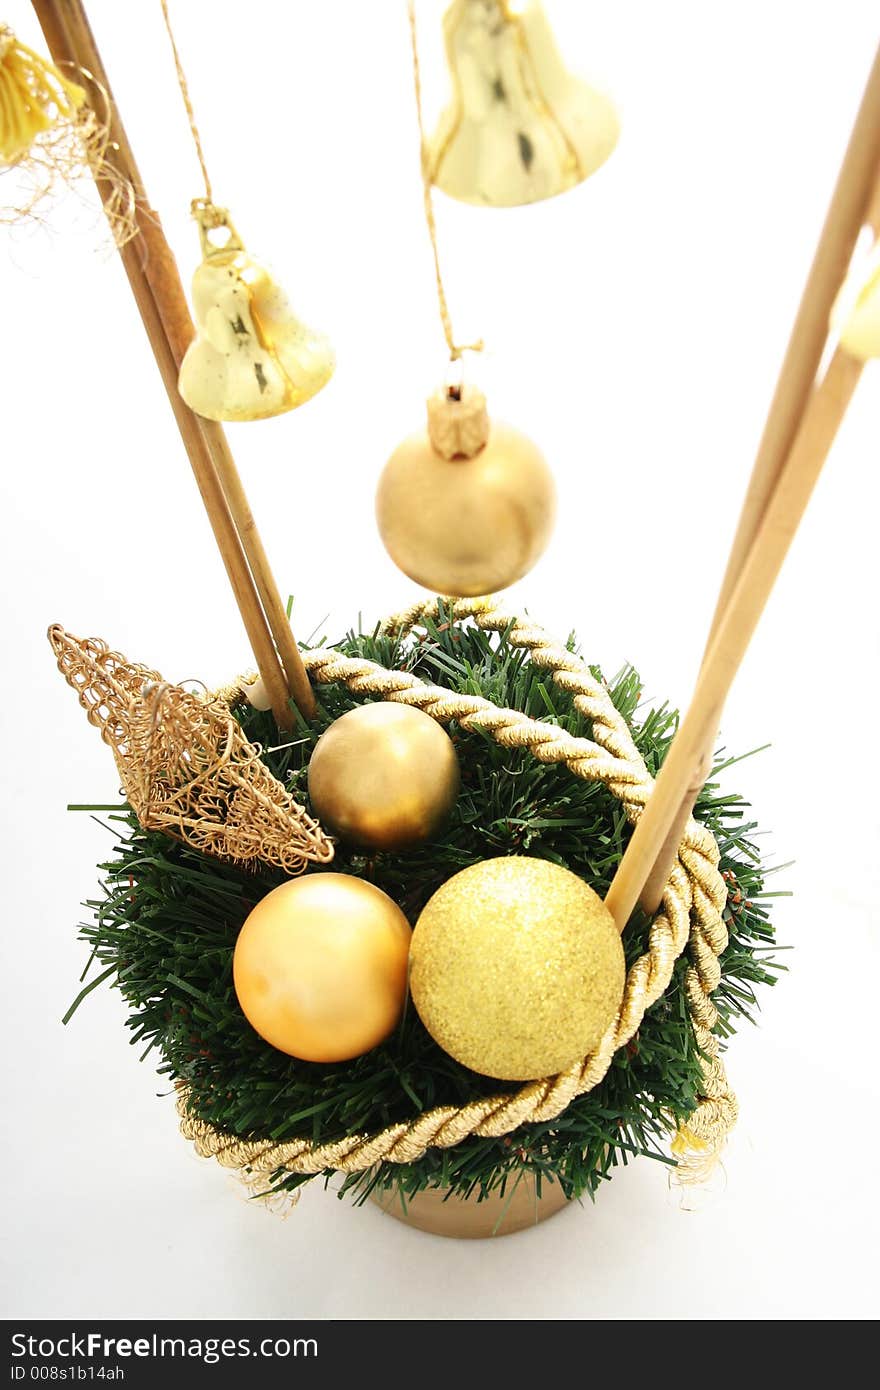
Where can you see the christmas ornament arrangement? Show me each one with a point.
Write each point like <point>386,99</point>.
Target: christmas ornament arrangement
<point>477,930</point>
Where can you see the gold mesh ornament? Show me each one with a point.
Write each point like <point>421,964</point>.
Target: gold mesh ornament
<point>185,765</point>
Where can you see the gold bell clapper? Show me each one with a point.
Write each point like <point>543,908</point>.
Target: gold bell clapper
<point>520,127</point>
<point>251,357</point>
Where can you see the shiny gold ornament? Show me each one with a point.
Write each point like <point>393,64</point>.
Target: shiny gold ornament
<point>856,314</point>
<point>466,507</point>
<point>516,968</point>
<point>384,775</point>
<point>251,357</point>
<point>320,967</point>
<point>519,128</point>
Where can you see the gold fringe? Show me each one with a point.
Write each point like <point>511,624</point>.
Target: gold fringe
<point>277,1202</point>
<point>50,135</point>
<point>34,97</point>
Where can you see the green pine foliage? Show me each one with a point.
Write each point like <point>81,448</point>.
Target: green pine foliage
<point>165,927</point>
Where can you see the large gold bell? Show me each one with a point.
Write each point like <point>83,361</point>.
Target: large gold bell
<point>251,356</point>
<point>519,128</point>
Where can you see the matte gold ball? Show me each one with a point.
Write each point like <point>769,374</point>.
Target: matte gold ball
<point>516,968</point>
<point>384,775</point>
<point>466,526</point>
<point>320,967</point>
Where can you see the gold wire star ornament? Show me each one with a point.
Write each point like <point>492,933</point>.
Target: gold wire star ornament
<point>185,765</point>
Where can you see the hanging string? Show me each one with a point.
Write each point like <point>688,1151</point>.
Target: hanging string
<point>208,201</point>
<point>455,349</point>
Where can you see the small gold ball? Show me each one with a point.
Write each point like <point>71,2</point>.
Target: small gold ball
<point>320,967</point>
<point>466,526</point>
<point>384,775</point>
<point>516,968</point>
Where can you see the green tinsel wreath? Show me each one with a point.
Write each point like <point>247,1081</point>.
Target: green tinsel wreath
<point>165,930</point>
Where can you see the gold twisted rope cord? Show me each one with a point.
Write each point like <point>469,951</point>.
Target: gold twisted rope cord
<point>691,914</point>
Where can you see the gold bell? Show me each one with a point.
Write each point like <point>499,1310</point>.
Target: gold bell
<point>251,356</point>
<point>519,128</point>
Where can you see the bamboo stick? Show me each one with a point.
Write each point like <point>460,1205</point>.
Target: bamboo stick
<point>848,211</point>
<point>155,283</point>
<point>844,220</point>
<point>276,614</point>
<point>812,444</point>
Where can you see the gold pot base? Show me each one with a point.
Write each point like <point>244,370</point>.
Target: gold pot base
<point>467,1219</point>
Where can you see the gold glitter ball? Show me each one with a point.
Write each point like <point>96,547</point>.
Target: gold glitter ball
<point>516,968</point>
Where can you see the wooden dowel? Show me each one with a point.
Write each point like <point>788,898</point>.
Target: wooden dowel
<point>812,444</point>
<point>155,283</point>
<point>276,613</point>
<point>851,207</point>
<point>847,214</point>
<point>211,492</point>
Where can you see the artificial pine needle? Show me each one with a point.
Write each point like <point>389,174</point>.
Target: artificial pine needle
<point>166,930</point>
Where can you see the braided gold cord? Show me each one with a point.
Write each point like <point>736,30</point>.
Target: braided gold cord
<point>691,913</point>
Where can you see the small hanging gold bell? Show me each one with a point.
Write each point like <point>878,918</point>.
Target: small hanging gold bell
<point>251,356</point>
<point>519,128</point>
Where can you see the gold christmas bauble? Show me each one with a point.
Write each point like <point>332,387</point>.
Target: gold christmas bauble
<point>384,775</point>
<point>516,968</point>
<point>466,507</point>
<point>320,967</point>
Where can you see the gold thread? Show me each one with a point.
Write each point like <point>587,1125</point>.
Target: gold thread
<point>691,916</point>
<point>56,135</point>
<point>184,92</point>
<point>455,349</point>
<point>435,166</point>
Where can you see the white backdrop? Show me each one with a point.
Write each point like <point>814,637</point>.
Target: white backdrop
<point>635,329</point>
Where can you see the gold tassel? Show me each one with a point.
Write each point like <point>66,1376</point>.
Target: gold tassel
<point>697,1159</point>
<point>50,134</point>
<point>685,1140</point>
<point>34,97</point>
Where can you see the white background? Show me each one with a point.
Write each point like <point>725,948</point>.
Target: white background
<point>635,329</point>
